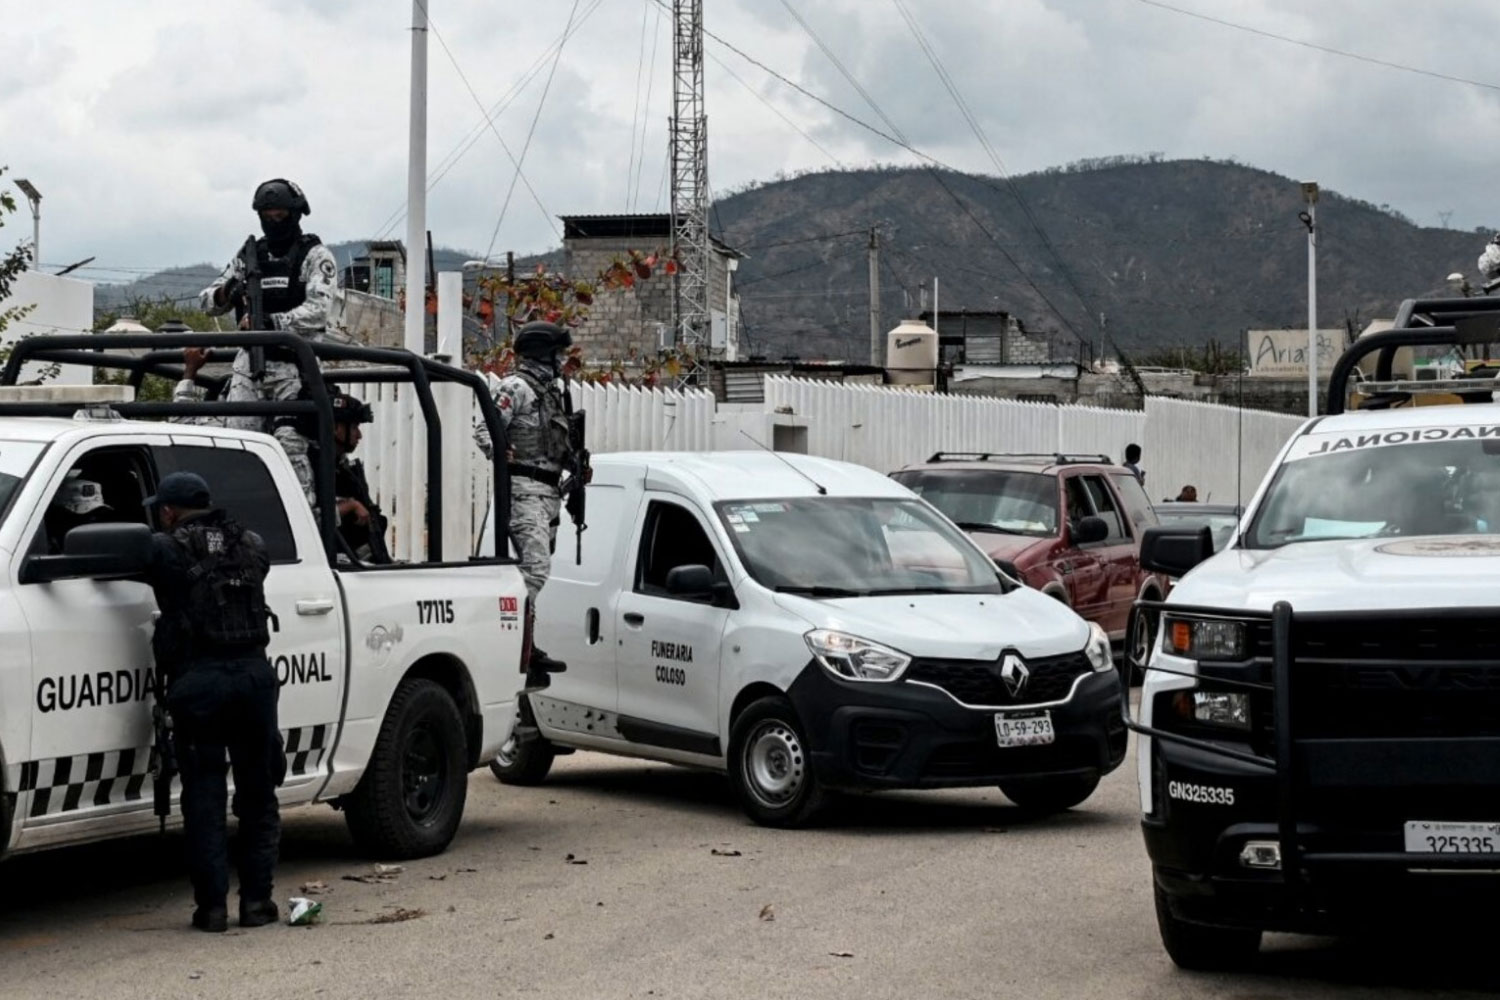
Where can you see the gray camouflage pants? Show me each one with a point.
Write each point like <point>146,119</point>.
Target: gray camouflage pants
<point>282,382</point>
<point>533,531</point>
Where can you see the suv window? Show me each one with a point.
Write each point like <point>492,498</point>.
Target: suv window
<point>242,485</point>
<point>1137,505</point>
<point>1104,507</point>
<point>672,537</point>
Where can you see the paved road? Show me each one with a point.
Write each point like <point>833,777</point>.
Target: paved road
<point>913,896</point>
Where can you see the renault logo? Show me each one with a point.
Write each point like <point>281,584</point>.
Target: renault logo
<point>1014,673</point>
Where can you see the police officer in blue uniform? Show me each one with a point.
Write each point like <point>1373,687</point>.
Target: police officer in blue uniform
<point>208,574</point>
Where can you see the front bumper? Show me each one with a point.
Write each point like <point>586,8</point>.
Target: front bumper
<point>900,735</point>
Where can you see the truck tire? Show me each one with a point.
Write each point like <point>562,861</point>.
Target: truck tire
<point>1052,794</point>
<point>411,798</point>
<point>1201,947</point>
<point>524,764</point>
<point>1138,645</point>
<point>770,767</point>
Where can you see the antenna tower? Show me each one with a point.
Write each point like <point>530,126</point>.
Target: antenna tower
<point>689,138</point>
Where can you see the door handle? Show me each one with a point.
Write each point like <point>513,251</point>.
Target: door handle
<point>634,620</point>
<point>317,606</point>
<point>591,625</point>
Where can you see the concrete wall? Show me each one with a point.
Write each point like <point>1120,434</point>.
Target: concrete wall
<point>62,305</point>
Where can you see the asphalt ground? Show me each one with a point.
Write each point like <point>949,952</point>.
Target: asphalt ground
<point>624,879</point>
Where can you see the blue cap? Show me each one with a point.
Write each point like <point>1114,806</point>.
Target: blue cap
<point>181,489</point>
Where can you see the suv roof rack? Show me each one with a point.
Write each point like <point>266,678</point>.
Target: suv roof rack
<point>163,358</point>
<point>1049,458</point>
<point>1467,322</point>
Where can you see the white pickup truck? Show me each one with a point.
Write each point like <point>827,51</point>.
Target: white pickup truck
<point>808,625</point>
<point>396,680</point>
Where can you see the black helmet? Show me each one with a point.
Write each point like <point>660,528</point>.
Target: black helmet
<point>541,341</point>
<point>348,409</point>
<point>280,193</point>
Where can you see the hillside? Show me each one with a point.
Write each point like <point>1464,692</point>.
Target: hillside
<point>1174,253</point>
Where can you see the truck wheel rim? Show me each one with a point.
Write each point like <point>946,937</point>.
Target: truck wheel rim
<point>506,756</point>
<point>1140,642</point>
<point>774,764</point>
<point>423,773</point>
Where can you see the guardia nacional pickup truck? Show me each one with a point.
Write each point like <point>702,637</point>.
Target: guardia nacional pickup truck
<point>396,680</point>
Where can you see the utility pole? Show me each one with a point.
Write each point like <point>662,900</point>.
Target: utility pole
<point>1310,220</point>
<point>876,354</point>
<point>689,150</point>
<point>416,186</point>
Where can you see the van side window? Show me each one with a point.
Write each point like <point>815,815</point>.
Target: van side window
<point>1105,508</point>
<point>672,537</point>
<point>242,485</point>
<point>105,486</point>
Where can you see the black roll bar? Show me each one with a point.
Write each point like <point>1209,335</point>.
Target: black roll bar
<point>1387,342</point>
<point>163,357</point>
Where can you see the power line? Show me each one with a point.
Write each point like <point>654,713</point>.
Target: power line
<point>757,95</point>
<point>546,89</point>
<point>806,239</point>
<point>634,201</point>
<point>793,270</point>
<point>842,70</point>
<point>635,114</point>
<point>1328,49</point>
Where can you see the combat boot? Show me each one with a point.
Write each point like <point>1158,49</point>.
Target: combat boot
<point>214,919</point>
<point>258,913</point>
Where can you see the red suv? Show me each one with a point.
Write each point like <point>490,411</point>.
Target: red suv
<point>1068,525</point>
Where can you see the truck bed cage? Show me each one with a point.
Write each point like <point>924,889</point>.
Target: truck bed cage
<point>1052,458</point>
<point>163,358</point>
<point>1460,322</point>
<point>1274,676</point>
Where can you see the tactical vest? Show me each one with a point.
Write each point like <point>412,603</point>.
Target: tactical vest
<point>548,440</point>
<point>281,286</point>
<point>226,598</point>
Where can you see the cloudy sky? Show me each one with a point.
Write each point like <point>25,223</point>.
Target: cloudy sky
<point>147,125</point>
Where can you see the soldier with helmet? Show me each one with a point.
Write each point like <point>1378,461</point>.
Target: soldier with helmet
<point>361,524</point>
<point>534,410</point>
<point>297,285</point>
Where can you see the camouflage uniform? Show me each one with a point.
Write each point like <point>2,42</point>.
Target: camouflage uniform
<point>319,275</point>
<point>531,408</point>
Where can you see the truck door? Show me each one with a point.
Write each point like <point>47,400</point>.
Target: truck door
<point>1079,566</point>
<point>668,652</point>
<point>90,653</point>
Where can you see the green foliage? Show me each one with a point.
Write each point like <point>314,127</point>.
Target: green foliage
<point>152,313</point>
<point>12,264</point>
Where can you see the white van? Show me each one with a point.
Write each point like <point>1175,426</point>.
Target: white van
<point>808,625</point>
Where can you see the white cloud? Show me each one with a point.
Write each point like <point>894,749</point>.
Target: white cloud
<point>148,125</point>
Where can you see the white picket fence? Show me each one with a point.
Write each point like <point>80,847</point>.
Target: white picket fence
<point>1222,450</point>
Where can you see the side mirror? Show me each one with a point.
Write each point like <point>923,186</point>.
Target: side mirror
<point>1174,551</point>
<point>94,550</point>
<point>1090,530</point>
<point>696,582</point>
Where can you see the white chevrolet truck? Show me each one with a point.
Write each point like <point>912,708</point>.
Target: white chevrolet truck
<point>397,680</point>
<point>1321,713</point>
<point>807,626</point>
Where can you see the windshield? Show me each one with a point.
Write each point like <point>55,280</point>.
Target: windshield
<point>1384,484</point>
<point>16,461</point>
<point>1221,525</point>
<point>1013,503</point>
<point>849,546</point>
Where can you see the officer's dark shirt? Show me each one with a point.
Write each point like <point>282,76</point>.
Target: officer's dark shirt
<point>167,568</point>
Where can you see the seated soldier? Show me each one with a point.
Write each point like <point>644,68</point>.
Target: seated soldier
<point>361,523</point>
<point>79,501</point>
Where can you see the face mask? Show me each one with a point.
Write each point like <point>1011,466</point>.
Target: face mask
<point>281,234</point>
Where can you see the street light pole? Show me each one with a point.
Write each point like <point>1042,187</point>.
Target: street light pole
<point>415,335</point>
<point>34,197</point>
<point>1310,220</point>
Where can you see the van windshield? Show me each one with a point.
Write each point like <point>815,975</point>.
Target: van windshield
<point>16,461</point>
<point>854,547</point>
<point>1394,483</point>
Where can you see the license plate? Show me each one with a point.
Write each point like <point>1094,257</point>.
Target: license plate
<point>1024,729</point>
<point>1452,838</point>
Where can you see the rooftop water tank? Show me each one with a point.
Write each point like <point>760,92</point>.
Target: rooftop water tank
<point>911,354</point>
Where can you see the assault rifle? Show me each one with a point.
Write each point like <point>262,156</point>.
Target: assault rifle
<point>255,305</point>
<point>579,474</point>
<point>379,552</point>
<point>163,755</point>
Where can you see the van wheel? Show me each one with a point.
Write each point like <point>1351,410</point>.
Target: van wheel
<point>770,767</point>
<point>523,763</point>
<point>1201,947</point>
<point>409,802</point>
<point>1050,795</point>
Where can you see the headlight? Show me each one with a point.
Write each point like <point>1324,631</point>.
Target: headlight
<point>1216,708</point>
<point>1205,639</point>
<point>855,659</point>
<point>1101,656</point>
